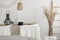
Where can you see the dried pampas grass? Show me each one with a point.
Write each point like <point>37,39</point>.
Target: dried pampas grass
<point>50,17</point>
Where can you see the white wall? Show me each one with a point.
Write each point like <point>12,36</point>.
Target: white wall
<point>33,12</point>
<point>27,14</point>
<point>41,18</point>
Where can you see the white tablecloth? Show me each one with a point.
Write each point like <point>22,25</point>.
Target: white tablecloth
<point>30,31</point>
<point>5,30</point>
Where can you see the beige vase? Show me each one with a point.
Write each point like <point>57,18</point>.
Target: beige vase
<point>20,6</point>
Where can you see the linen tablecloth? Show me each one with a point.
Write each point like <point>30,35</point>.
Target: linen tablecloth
<point>5,30</point>
<point>30,31</point>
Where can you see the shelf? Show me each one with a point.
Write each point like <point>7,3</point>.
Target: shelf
<point>3,25</point>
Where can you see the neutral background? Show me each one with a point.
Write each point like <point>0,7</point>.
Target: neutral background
<point>33,12</point>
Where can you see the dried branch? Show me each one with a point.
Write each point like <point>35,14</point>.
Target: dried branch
<point>47,14</point>
<point>50,17</point>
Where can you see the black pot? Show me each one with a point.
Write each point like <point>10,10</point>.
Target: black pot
<point>20,23</point>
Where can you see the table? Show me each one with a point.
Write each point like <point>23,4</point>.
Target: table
<point>31,31</point>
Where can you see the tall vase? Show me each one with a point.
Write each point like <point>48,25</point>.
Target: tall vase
<point>50,29</point>
<point>7,21</point>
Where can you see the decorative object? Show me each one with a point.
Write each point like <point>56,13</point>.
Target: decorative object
<point>20,23</point>
<point>7,20</point>
<point>20,6</point>
<point>50,16</point>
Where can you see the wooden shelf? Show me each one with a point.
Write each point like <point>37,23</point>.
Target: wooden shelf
<point>3,25</point>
